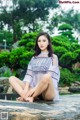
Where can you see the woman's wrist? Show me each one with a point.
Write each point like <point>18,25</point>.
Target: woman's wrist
<point>23,93</point>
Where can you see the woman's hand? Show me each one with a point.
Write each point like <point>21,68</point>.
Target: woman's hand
<point>30,92</point>
<point>23,94</point>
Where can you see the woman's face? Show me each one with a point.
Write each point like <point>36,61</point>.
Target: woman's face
<point>43,43</point>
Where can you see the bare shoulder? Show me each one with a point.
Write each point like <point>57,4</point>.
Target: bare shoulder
<point>55,59</point>
<point>55,56</point>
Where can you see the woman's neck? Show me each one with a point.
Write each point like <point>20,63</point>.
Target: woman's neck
<point>44,51</point>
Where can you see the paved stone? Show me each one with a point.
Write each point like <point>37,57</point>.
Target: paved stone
<point>68,108</point>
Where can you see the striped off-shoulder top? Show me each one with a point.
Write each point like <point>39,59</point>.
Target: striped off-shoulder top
<point>40,65</point>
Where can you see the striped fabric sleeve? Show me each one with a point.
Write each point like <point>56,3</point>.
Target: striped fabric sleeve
<point>29,73</point>
<point>54,69</point>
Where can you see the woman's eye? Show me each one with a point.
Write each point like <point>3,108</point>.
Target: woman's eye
<point>44,40</point>
<point>39,41</point>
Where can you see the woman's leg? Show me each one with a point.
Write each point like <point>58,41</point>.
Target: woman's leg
<point>17,84</point>
<point>45,87</point>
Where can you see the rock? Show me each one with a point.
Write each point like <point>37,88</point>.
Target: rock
<point>5,71</point>
<point>21,73</point>
<point>15,45</point>
<point>77,82</point>
<point>1,88</point>
<point>10,90</point>
<point>68,108</point>
<point>8,96</point>
<point>5,83</point>
<point>64,90</point>
<point>77,65</point>
<point>75,87</point>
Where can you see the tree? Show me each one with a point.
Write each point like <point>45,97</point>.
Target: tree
<point>26,12</point>
<point>54,22</point>
<point>71,17</point>
<point>66,30</point>
<point>7,36</point>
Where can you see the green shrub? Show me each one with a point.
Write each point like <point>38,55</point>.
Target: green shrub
<point>30,46</point>
<point>22,42</point>
<point>29,37</point>
<point>19,58</point>
<point>65,27</point>
<point>56,41</point>
<point>25,58</point>
<point>15,57</point>
<point>6,35</point>
<point>77,75</point>
<point>4,58</point>
<point>60,41</point>
<point>78,55</point>
<point>60,51</point>
<point>76,70</point>
<point>74,47</point>
<point>68,59</point>
<point>6,73</point>
<point>66,77</point>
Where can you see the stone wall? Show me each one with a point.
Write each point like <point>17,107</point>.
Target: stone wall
<point>67,108</point>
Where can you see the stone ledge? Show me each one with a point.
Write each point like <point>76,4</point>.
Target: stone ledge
<point>68,108</point>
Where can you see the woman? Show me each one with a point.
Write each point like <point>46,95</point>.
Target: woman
<point>42,76</point>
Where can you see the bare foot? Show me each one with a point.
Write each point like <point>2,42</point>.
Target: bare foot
<point>30,99</point>
<point>20,99</point>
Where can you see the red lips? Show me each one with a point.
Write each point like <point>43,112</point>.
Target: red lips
<point>41,46</point>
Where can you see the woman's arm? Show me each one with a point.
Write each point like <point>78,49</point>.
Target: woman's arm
<point>54,68</point>
<point>28,77</point>
<point>26,86</point>
<point>55,60</point>
<point>25,91</point>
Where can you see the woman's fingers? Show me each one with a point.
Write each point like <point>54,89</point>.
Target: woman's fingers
<point>18,98</point>
<point>30,99</point>
<point>30,93</point>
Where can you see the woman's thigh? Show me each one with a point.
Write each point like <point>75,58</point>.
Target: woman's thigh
<point>21,83</point>
<point>49,93</point>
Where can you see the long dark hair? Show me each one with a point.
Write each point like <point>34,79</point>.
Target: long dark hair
<point>49,48</point>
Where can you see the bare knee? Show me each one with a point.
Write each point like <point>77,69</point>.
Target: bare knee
<point>50,98</point>
<point>46,78</point>
<point>11,79</point>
